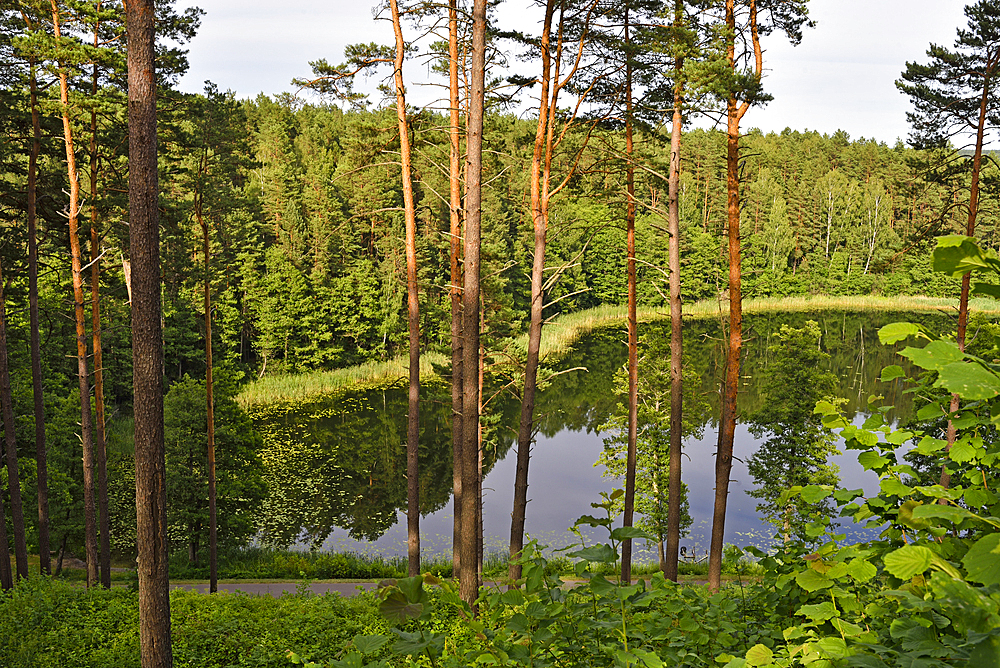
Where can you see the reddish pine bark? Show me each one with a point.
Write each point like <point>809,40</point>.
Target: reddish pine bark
<point>76,253</point>
<point>413,309</point>
<point>727,422</point>
<point>147,342</point>
<point>455,219</point>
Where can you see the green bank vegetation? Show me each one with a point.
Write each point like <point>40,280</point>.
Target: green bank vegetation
<point>563,331</point>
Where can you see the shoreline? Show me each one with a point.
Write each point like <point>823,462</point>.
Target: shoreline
<point>561,333</point>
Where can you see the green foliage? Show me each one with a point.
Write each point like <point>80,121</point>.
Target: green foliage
<point>239,482</point>
<point>46,623</point>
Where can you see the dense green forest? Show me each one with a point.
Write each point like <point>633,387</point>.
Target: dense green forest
<point>302,205</point>
<point>160,250</point>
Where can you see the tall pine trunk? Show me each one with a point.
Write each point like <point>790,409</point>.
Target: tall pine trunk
<point>633,322</point>
<point>147,341</point>
<point>539,217</point>
<point>727,422</point>
<point>455,220</point>
<point>10,438</point>
<point>676,324</point>
<point>41,457</point>
<point>76,253</point>
<point>413,309</point>
<point>469,585</point>
<point>213,535</point>
<point>100,445</point>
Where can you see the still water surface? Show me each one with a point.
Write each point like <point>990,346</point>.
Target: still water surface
<point>337,464</point>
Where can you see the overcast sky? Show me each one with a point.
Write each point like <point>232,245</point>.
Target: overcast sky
<point>840,78</point>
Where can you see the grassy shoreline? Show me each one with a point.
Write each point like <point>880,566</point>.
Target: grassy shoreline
<point>560,334</point>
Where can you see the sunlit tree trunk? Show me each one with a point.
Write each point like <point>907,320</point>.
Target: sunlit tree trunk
<point>670,564</point>
<point>76,253</point>
<point>413,311</point>
<point>147,341</point>
<point>727,422</point>
<point>455,219</point>
<point>539,202</point>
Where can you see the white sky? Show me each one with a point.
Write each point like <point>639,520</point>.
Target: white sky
<point>840,78</point>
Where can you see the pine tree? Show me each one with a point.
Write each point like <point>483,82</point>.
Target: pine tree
<point>955,96</point>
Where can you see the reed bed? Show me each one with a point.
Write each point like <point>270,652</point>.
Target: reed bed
<point>293,387</point>
<point>560,334</point>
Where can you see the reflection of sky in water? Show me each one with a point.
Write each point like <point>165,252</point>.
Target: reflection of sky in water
<point>563,482</point>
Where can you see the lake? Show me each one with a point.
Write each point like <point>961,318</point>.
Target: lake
<point>336,464</point>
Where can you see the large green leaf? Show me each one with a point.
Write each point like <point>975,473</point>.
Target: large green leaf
<point>871,460</point>
<point>892,372</point>
<point>819,612</point>
<point>369,644</point>
<point>908,561</point>
<point>621,533</point>
<point>969,381</point>
<point>893,486</point>
<point>897,331</point>
<point>987,289</point>
<point>963,450</point>
<point>815,493</point>
<point>861,570</point>
<point>810,580</point>
<point>598,553</point>
<point>957,255</point>
<point>934,356</point>
<point>396,608</point>
<point>954,514</point>
<point>759,655</point>
<point>982,561</point>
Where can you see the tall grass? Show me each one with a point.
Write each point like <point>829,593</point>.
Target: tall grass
<point>292,387</point>
<point>561,333</point>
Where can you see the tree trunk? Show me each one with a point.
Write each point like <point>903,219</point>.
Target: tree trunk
<point>100,445</point>
<point>455,219</point>
<point>727,421</point>
<point>676,325</point>
<point>213,535</point>
<point>469,586</point>
<point>539,202</point>
<point>13,477</point>
<point>6,578</point>
<point>633,323</point>
<point>147,341</point>
<point>480,528</point>
<point>413,310</point>
<point>86,419</point>
<point>41,457</point>
<point>970,230</point>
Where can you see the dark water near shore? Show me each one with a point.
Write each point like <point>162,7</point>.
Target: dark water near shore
<point>336,465</point>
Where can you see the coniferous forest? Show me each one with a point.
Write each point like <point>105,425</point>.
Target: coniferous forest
<point>325,229</point>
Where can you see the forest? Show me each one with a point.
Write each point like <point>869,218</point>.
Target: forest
<point>324,229</point>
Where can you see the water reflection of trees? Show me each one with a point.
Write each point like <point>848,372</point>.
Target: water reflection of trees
<point>340,461</point>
